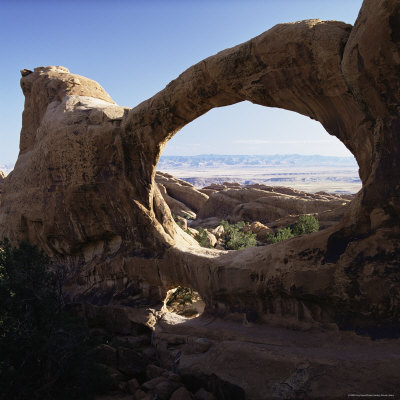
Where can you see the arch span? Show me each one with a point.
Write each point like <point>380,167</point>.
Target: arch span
<point>292,66</point>
<point>83,186</point>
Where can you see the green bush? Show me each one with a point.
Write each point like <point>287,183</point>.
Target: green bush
<point>182,295</point>
<point>280,235</point>
<point>202,237</point>
<point>46,352</point>
<point>305,224</point>
<point>235,238</point>
<point>187,216</point>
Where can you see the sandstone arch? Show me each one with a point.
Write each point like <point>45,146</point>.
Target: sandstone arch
<point>83,186</point>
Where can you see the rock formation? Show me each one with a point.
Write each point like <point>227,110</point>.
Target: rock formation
<point>266,204</point>
<point>276,206</point>
<point>84,189</point>
<point>181,197</point>
<point>2,177</point>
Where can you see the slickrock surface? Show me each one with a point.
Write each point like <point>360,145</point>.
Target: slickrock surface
<point>83,188</point>
<point>258,362</point>
<point>249,203</point>
<point>182,192</point>
<point>266,204</point>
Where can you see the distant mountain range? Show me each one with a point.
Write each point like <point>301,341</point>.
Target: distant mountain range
<point>310,173</point>
<point>247,161</point>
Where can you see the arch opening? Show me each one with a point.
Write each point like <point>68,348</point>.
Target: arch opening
<point>185,302</point>
<point>250,143</point>
<point>259,196</point>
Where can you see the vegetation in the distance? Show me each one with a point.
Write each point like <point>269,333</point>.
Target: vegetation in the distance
<point>187,216</point>
<point>182,295</point>
<point>181,302</point>
<point>305,224</point>
<point>46,352</point>
<point>280,235</point>
<point>202,237</point>
<point>235,238</point>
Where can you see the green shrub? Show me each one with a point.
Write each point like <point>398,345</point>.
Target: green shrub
<point>202,237</point>
<point>187,216</point>
<point>280,235</point>
<point>182,295</point>
<point>235,238</point>
<point>305,224</point>
<point>46,352</point>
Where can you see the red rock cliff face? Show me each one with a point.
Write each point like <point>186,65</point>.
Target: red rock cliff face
<point>83,187</point>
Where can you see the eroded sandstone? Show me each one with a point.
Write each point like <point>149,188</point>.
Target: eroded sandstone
<point>83,187</point>
<point>2,177</point>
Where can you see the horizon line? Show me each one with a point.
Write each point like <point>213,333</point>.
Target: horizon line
<point>255,155</point>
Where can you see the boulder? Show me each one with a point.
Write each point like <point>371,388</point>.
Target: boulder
<point>141,395</point>
<point>172,376</point>
<point>208,192</point>
<point>182,191</point>
<point>152,371</point>
<point>260,230</point>
<point>161,386</point>
<point>177,207</point>
<point>152,383</point>
<point>130,362</point>
<point>218,232</point>
<point>212,240</point>
<point>202,345</point>
<point>203,394</point>
<point>133,385</point>
<point>193,231</point>
<point>165,388</point>
<point>106,355</point>
<point>182,394</point>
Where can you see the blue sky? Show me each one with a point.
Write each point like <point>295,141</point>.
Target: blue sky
<point>134,48</point>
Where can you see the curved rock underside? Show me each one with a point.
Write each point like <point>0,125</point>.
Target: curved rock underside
<point>83,188</point>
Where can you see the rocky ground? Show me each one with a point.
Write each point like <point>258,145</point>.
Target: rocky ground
<point>156,354</point>
<point>130,354</point>
<point>265,208</point>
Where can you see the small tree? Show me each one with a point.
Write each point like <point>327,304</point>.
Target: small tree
<point>235,238</point>
<point>280,235</point>
<point>45,351</point>
<point>305,224</point>
<point>202,237</point>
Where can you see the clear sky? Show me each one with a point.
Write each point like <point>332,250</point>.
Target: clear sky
<point>134,48</point>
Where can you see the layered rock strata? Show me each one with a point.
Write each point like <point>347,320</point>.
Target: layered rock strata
<point>272,205</point>
<point>266,204</point>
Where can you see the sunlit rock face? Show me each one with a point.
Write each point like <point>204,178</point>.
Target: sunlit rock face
<point>83,187</point>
